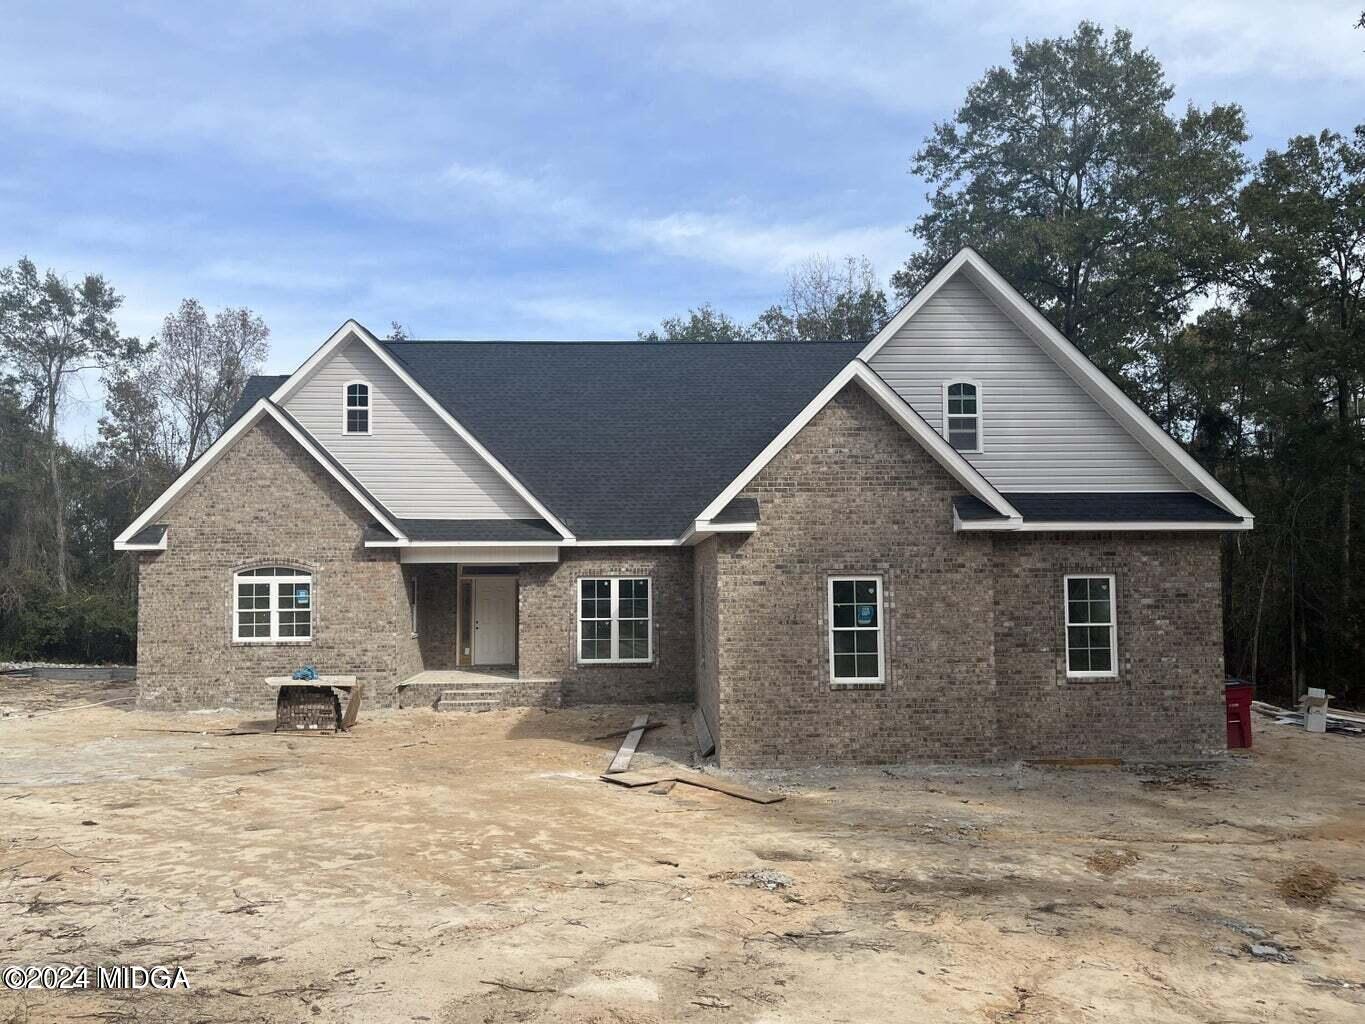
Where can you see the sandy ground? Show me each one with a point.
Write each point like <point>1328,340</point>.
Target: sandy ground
<point>473,868</point>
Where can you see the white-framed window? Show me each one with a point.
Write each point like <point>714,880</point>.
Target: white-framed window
<point>412,604</point>
<point>615,619</point>
<point>355,408</point>
<point>273,604</point>
<point>962,415</point>
<point>1092,643</point>
<point>856,629</point>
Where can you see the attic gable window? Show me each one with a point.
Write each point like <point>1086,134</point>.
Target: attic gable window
<point>962,415</point>
<point>355,418</point>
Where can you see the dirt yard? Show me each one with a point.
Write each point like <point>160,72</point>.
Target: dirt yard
<point>473,868</point>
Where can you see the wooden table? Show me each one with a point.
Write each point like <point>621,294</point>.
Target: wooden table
<point>348,683</point>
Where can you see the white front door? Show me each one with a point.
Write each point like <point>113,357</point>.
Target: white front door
<point>495,620</point>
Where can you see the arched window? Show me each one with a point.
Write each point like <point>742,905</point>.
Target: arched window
<point>272,604</point>
<point>962,415</point>
<point>355,413</point>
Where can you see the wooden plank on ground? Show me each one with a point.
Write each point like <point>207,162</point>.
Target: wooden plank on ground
<point>705,744</point>
<point>728,788</point>
<point>634,780</point>
<point>621,762</point>
<point>352,707</point>
<point>623,732</point>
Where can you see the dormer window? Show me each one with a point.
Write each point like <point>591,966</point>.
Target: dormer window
<point>356,412</point>
<point>962,415</point>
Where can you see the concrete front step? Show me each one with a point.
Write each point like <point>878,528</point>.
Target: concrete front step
<point>471,694</point>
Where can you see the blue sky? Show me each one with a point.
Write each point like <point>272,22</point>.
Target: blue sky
<point>575,170</point>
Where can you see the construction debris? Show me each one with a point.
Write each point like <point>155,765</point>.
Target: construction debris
<point>1349,722</point>
<point>706,746</point>
<point>634,780</point>
<point>759,878</point>
<point>623,732</point>
<point>621,762</point>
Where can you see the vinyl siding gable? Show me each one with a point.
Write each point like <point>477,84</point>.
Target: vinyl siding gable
<point>1040,431</point>
<point>411,460</point>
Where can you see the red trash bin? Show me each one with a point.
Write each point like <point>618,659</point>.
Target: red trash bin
<point>1238,694</point>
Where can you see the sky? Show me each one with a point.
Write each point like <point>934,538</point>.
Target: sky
<point>549,171</point>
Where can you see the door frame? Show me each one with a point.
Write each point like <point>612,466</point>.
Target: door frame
<point>513,584</point>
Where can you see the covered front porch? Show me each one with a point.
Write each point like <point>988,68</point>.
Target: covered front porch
<point>464,650</point>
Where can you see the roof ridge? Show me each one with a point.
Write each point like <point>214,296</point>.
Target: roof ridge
<point>567,342</point>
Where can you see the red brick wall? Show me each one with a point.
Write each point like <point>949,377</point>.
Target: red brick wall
<point>854,493</point>
<point>548,630</point>
<point>266,501</point>
<point>1167,700</point>
<point>974,635</point>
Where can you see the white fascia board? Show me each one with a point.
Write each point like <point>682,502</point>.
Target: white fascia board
<point>264,407</point>
<point>917,301</point>
<point>354,329</point>
<point>1074,363</point>
<point>860,373</point>
<point>655,543</point>
<point>465,544</point>
<point>478,555</point>
<point>1126,526</point>
<point>702,528</point>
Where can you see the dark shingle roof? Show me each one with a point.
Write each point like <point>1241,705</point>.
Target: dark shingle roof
<point>1101,507</point>
<point>256,389</point>
<point>623,440</point>
<point>149,534</point>
<point>741,510</point>
<point>469,530</point>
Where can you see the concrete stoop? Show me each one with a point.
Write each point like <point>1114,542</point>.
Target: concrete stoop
<point>469,697</point>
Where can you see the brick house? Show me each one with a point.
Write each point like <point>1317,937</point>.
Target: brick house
<point>958,542</point>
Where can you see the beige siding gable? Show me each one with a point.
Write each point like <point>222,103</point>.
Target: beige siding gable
<point>1040,430</point>
<point>411,460</point>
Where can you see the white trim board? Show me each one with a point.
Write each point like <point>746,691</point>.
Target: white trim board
<point>1074,363</point>
<point>1086,526</point>
<point>264,407</point>
<point>477,555</point>
<point>353,329</point>
<point>858,372</point>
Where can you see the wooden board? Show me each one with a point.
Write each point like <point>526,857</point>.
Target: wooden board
<point>728,788</point>
<point>352,707</point>
<point>634,780</point>
<point>705,744</point>
<point>621,762</point>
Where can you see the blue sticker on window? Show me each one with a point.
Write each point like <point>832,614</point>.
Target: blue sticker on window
<point>301,596</point>
<point>865,612</point>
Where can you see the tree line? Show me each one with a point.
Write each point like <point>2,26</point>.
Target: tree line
<point>65,593</point>
<point>1224,295</point>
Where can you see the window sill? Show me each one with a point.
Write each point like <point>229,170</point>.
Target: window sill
<point>301,642</point>
<point>857,686</point>
<point>609,662</point>
<point>1090,680</point>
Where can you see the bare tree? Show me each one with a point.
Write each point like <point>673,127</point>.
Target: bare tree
<point>827,300</point>
<point>199,369</point>
<point>50,331</point>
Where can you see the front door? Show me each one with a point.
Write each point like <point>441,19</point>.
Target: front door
<point>495,620</point>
